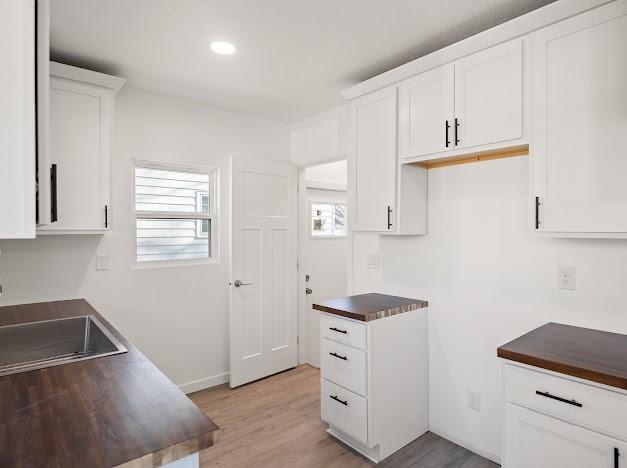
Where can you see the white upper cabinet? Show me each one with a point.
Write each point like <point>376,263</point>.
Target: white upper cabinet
<point>372,156</point>
<point>427,113</point>
<point>489,96</point>
<point>579,163</point>
<point>23,27</point>
<point>81,110</point>
<point>474,104</point>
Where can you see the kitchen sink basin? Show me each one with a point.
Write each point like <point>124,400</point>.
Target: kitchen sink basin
<point>36,345</point>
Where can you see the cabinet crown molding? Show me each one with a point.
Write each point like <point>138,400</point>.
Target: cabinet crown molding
<point>68,72</point>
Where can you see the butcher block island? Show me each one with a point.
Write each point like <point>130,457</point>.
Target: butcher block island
<point>115,410</point>
<point>374,371</point>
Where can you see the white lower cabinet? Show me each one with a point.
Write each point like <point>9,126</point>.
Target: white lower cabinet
<point>374,381</point>
<point>557,422</point>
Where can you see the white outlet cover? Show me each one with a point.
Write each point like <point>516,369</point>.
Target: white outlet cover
<point>102,263</point>
<point>566,277</point>
<point>474,400</point>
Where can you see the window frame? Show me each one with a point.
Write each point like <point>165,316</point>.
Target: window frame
<point>328,202</point>
<point>212,214</point>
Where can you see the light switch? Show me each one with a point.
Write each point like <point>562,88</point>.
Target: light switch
<point>373,261</point>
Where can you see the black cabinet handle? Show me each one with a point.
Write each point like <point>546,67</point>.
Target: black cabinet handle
<point>537,212</point>
<point>343,358</point>
<point>338,330</point>
<point>106,216</point>
<point>456,131</point>
<point>334,397</point>
<point>54,215</point>
<point>389,217</point>
<point>447,126</point>
<point>563,400</point>
<point>616,456</point>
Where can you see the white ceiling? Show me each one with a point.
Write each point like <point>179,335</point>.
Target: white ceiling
<point>293,58</point>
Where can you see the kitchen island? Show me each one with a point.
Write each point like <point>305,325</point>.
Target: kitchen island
<point>109,411</point>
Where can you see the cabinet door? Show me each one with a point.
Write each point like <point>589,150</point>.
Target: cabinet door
<point>489,96</point>
<point>373,160</point>
<point>533,440</point>
<point>578,157</point>
<point>17,119</point>
<point>79,136</point>
<point>426,113</point>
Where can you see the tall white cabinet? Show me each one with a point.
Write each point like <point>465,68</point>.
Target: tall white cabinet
<point>23,96</point>
<point>579,164</point>
<point>81,113</point>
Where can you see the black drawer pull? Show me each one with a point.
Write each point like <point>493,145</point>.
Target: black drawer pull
<point>343,358</point>
<point>447,126</point>
<point>334,397</point>
<point>563,400</point>
<point>338,330</point>
<point>616,455</point>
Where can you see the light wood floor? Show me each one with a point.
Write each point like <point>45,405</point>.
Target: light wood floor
<point>275,422</point>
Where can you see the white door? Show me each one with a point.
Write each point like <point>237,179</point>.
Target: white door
<point>326,262</point>
<point>489,96</point>
<point>373,160</point>
<point>580,121</point>
<point>533,440</point>
<point>426,113</point>
<point>263,309</point>
<point>79,137</point>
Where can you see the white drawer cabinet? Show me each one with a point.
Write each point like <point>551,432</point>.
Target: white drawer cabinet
<point>473,104</point>
<point>579,124</point>
<point>24,53</point>
<point>374,381</point>
<point>561,422</point>
<point>81,112</point>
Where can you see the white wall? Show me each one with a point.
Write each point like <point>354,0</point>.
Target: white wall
<point>176,316</point>
<point>488,279</point>
<point>327,176</point>
<point>320,138</point>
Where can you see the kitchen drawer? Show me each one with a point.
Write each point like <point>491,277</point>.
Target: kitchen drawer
<point>344,410</point>
<point>343,331</point>
<point>343,365</point>
<point>602,410</point>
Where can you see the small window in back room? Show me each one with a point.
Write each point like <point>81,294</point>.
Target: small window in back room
<point>175,209</point>
<point>328,219</point>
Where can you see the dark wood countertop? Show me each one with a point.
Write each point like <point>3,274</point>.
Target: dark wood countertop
<point>580,352</point>
<point>367,307</point>
<point>101,412</point>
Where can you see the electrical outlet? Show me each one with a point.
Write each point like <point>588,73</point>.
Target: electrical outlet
<point>565,277</point>
<point>373,261</point>
<point>474,400</point>
<point>102,263</point>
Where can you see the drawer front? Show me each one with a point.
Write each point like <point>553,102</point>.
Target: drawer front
<point>343,331</point>
<point>344,410</point>
<point>601,410</point>
<point>343,365</point>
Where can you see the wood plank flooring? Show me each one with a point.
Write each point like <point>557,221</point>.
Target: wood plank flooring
<point>275,422</point>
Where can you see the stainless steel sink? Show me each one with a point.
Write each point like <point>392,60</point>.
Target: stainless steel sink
<point>36,345</point>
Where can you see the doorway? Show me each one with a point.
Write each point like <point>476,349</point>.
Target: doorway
<point>323,246</point>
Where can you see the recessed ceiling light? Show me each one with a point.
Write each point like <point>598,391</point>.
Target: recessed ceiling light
<point>222,47</point>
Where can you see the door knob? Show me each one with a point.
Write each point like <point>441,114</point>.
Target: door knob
<point>308,291</point>
<point>238,283</point>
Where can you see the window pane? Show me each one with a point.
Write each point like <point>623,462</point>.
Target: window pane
<point>339,225</point>
<point>172,239</point>
<point>328,219</point>
<point>162,190</point>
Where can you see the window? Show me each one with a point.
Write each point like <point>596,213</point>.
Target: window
<point>328,219</point>
<point>175,208</point>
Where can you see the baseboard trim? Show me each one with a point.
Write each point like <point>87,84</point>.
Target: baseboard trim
<point>207,382</point>
<point>490,456</point>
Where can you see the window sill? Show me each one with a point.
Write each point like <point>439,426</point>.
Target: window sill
<point>175,263</point>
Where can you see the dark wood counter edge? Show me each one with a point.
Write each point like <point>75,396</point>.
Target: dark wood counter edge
<point>413,304</point>
<point>560,367</point>
<point>175,448</point>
